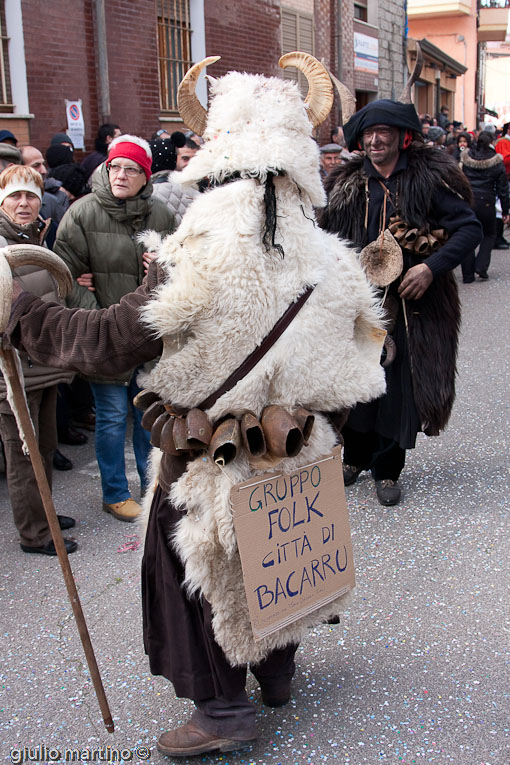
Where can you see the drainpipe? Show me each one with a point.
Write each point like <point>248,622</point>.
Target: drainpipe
<point>102,62</point>
<point>338,35</point>
<point>438,91</point>
<point>462,39</point>
<point>404,67</point>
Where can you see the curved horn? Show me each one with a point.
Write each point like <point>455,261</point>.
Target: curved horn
<point>5,290</point>
<point>191,110</point>
<point>33,255</point>
<point>405,96</point>
<point>319,98</point>
<point>347,100</point>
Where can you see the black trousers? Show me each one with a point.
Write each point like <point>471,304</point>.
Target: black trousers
<point>485,211</point>
<point>371,451</point>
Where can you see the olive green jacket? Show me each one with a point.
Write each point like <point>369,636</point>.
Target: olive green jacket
<point>98,235</point>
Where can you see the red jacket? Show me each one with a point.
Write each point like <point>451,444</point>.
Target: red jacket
<point>503,148</point>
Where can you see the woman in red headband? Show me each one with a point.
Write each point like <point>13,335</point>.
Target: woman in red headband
<point>98,236</point>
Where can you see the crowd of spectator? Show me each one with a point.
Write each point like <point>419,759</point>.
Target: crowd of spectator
<point>90,214</point>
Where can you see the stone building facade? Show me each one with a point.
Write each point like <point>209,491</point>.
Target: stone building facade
<point>392,53</point>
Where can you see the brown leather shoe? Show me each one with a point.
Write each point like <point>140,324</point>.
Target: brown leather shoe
<point>189,739</point>
<point>128,510</point>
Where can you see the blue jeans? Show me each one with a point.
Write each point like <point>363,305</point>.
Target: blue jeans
<point>112,407</point>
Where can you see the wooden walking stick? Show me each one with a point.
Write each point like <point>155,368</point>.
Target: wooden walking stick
<point>14,256</point>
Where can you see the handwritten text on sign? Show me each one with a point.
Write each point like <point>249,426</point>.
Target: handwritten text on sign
<point>294,541</point>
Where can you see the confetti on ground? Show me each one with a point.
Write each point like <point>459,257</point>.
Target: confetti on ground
<point>133,543</point>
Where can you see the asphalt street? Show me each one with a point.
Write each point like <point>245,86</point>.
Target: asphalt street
<point>416,672</point>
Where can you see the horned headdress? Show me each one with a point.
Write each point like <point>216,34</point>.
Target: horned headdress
<point>256,126</point>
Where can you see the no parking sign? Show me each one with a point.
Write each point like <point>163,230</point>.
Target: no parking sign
<point>75,124</point>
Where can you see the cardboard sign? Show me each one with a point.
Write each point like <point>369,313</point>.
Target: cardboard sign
<point>294,542</point>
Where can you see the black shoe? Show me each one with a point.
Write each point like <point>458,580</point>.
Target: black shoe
<point>388,492</point>
<point>351,473</point>
<point>272,697</point>
<point>86,421</point>
<point>65,522</point>
<point>468,280</point>
<point>502,244</point>
<point>483,275</point>
<point>49,549</point>
<point>72,437</point>
<point>60,462</point>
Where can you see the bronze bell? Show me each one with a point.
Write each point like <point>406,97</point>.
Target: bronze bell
<point>411,236</point>
<point>151,414</point>
<point>225,441</point>
<point>167,440</point>
<point>198,429</point>
<point>305,420</point>
<point>144,399</point>
<point>421,245</point>
<point>157,428</point>
<point>180,434</point>
<point>283,435</point>
<point>252,435</point>
<point>434,243</point>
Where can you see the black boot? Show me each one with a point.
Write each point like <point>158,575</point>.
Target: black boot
<point>500,243</point>
<point>351,473</point>
<point>60,462</point>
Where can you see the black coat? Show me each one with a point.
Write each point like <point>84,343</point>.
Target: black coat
<point>427,189</point>
<point>487,176</point>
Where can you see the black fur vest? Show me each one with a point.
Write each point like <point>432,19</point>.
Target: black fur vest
<point>434,320</point>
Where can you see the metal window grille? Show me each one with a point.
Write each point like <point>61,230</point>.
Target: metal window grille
<point>5,82</point>
<point>174,49</point>
<point>297,34</point>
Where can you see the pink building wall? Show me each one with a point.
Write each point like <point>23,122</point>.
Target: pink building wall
<point>445,33</point>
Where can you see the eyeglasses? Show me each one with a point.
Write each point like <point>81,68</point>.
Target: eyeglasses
<point>131,172</point>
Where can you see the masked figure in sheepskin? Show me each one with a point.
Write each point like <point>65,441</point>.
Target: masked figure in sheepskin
<point>247,250</point>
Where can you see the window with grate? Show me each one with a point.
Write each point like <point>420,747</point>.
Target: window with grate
<point>174,49</point>
<point>5,80</point>
<point>297,34</point>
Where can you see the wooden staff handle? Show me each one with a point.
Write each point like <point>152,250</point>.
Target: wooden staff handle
<point>14,383</point>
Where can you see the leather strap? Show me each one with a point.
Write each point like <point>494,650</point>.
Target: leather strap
<point>260,351</point>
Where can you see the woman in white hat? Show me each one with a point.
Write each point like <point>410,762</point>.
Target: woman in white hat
<point>21,190</point>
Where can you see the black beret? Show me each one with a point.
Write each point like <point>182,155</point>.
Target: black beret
<point>383,112</point>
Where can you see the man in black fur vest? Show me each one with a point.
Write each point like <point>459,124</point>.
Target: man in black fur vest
<point>409,206</point>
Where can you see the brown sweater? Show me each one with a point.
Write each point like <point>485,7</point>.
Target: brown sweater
<point>104,341</point>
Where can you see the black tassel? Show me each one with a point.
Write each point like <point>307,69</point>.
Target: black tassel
<point>271,217</point>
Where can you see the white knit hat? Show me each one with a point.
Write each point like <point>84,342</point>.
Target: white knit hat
<point>19,185</point>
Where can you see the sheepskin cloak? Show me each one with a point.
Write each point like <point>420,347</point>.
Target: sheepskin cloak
<point>223,295</point>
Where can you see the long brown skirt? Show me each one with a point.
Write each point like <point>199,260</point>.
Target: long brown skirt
<point>177,629</point>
